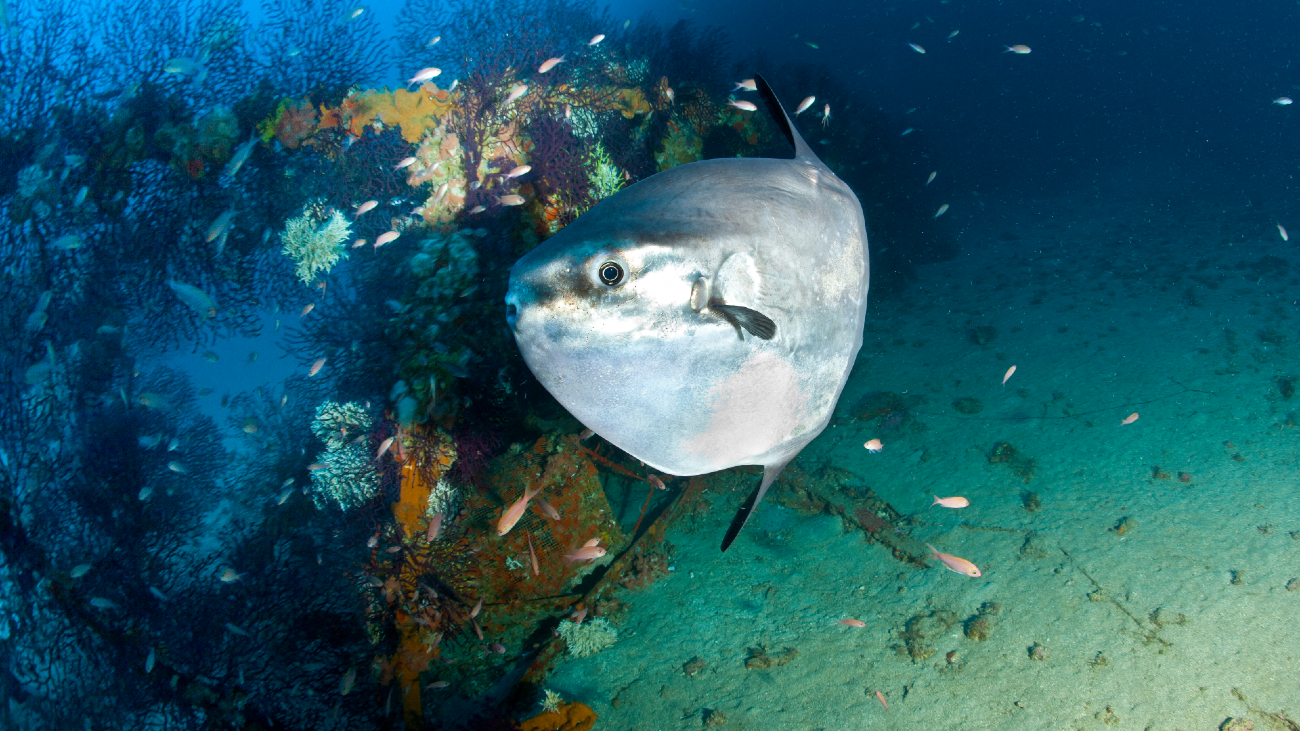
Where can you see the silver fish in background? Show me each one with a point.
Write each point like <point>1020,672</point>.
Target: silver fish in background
<point>705,317</point>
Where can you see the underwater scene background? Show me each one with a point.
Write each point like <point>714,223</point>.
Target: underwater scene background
<point>270,458</point>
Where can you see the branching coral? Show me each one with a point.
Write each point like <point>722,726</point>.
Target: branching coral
<point>314,240</point>
<point>346,474</point>
<point>588,638</point>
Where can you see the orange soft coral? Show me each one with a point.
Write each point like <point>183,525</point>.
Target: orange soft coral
<point>568,717</point>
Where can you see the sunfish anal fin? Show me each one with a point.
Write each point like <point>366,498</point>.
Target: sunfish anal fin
<point>758,324</point>
<point>770,474</point>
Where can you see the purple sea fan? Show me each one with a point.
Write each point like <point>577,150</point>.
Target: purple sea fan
<point>559,167</point>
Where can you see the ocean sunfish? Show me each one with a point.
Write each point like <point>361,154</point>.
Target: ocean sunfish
<point>705,317</point>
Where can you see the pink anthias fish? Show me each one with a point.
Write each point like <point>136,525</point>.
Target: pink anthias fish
<point>518,91</point>
<point>424,75</point>
<point>747,85</point>
<point>950,502</point>
<point>1007,376</point>
<point>521,170</point>
<point>515,511</point>
<point>586,553</point>
<point>367,206</point>
<point>874,446</point>
<point>826,115</point>
<point>549,64</point>
<point>1129,419</point>
<point>532,555</point>
<point>511,200</point>
<point>405,162</point>
<point>386,237</point>
<point>803,105</point>
<point>1019,48</point>
<point>315,367</point>
<point>852,623</point>
<point>435,527</point>
<point>596,39</point>
<point>954,563</point>
<point>742,105</point>
<point>547,509</point>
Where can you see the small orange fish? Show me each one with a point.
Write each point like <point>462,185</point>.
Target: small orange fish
<point>592,542</point>
<point>477,608</point>
<point>658,483</point>
<point>547,509</point>
<point>384,446</point>
<point>549,64</point>
<point>826,115</point>
<point>803,105</point>
<point>385,238</point>
<point>310,306</point>
<point>435,527</point>
<point>532,555</point>
<point>1007,377</point>
<point>405,162</point>
<point>579,615</point>
<point>950,502</point>
<point>585,435</point>
<point>315,367</point>
<point>955,564</point>
<point>359,243</point>
<point>511,200</point>
<point>516,92</point>
<point>881,697</point>
<point>1019,48</point>
<point>515,511</point>
<point>874,446</point>
<point>314,466</point>
<point>521,170</point>
<point>586,553</point>
<point>1129,419</point>
<point>596,39</point>
<point>852,623</point>
<point>747,85</point>
<point>746,106</point>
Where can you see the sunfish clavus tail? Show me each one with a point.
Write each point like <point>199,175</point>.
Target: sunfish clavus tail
<point>705,317</point>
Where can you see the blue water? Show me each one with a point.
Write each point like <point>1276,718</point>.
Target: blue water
<point>223,400</point>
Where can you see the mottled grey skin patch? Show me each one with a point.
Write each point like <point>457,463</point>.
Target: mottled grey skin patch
<point>607,313</point>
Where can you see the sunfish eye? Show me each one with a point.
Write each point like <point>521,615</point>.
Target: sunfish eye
<point>611,273</point>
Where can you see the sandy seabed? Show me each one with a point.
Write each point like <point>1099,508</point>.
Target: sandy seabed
<point>1160,304</point>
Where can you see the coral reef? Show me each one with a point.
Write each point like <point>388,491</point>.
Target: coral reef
<point>314,240</point>
<point>587,638</point>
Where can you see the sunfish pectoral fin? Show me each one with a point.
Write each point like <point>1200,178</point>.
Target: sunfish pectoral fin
<point>758,324</point>
<point>782,120</point>
<point>770,474</point>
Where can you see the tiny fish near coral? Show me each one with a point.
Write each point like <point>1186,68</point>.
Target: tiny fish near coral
<point>424,75</point>
<point>386,237</point>
<point>549,64</point>
<point>315,367</point>
<point>743,105</point>
<point>803,105</point>
<point>516,92</point>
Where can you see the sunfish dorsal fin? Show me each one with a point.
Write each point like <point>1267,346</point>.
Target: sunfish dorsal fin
<point>770,474</point>
<point>782,120</point>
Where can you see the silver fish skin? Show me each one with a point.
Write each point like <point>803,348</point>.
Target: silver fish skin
<point>705,317</point>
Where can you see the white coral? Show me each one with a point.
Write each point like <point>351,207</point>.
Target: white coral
<point>587,638</point>
<point>314,242</point>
